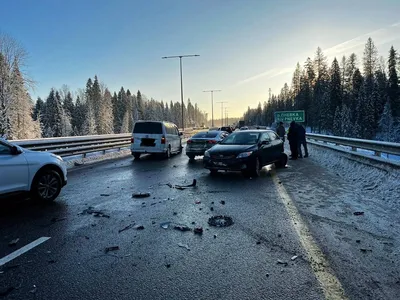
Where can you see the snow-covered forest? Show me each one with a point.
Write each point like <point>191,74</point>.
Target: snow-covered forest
<point>90,110</point>
<point>353,97</point>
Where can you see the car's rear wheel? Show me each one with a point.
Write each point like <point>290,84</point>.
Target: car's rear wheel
<point>282,161</point>
<point>46,186</point>
<point>136,155</point>
<point>191,158</point>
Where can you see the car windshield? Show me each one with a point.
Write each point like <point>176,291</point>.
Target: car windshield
<point>205,135</point>
<point>242,138</point>
<point>148,128</point>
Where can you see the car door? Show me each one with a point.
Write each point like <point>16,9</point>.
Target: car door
<point>177,139</point>
<point>276,143</point>
<point>14,171</point>
<point>265,147</point>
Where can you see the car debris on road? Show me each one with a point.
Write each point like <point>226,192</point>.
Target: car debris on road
<point>182,228</point>
<point>358,213</point>
<point>184,246</point>
<point>126,227</point>
<point>183,187</point>
<point>13,242</point>
<point>112,248</point>
<point>140,195</point>
<point>95,213</point>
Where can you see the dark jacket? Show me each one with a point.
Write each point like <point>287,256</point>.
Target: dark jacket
<point>281,131</point>
<point>302,133</point>
<point>293,134</point>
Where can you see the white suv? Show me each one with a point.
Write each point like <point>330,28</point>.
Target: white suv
<point>43,174</point>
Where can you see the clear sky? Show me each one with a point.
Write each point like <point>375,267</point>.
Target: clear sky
<point>245,46</point>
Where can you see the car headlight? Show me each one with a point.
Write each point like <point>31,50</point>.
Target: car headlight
<point>244,154</point>
<point>206,154</point>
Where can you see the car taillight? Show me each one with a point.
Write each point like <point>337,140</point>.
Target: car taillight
<point>163,140</point>
<point>132,140</point>
<point>212,142</point>
<point>189,142</point>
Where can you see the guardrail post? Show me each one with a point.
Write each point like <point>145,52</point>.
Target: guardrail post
<point>353,148</point>
<point>378,153</point>
<point>84,155</point>
<point>104,152</point>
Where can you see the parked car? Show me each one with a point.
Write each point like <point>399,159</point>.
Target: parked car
<point>244,128</point>
<point>202,141</point>
<point>155,137</point>
<point>247,152</point>
<point>42,174</point>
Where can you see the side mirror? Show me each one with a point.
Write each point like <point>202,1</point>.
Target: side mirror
<point>15,150</point>
<point>264,143</point>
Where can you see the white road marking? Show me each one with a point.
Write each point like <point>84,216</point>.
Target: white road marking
<point>328,281</point>
<point>22,250</point>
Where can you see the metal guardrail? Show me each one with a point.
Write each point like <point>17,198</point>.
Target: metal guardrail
<point>69,146</point>
<point>377,147</point>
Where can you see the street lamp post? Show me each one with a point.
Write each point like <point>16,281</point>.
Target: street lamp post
<point>212,104</point>
<point>180,68</point>
<point>222,111</point>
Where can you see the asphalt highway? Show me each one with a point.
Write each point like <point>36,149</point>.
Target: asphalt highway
<point>294,236</point>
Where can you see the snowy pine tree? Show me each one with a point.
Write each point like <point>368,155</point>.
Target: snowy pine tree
<point>89,125</point>
<point>387,125</point>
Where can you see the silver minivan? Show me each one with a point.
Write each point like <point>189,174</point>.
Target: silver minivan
<point>155,137</point>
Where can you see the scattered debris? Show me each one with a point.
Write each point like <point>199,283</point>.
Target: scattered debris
<point>168,265</point>
<point>212,202</point>
<point>193,222</point>
<point>113,248</point>
<point>126,227</point>
<point>53,220</point>
<point>33,291</point>
<point>13,242</point>
<point>184,246</point>
<point>222,202</point>
<point>280,182</point>
<point>154,203</point>
<point>365,250</point>
<point>294,257</point>
<point>165,225</point>
<point>198,230</point>
<point>200,208</point>
<point>281,262</point>
<point>95,213</point>
<point>52,261</point>
<point>153,222</point>
<point>182,228</point>
<point>358,213</point>
<point>174,166</point>
<point>183,187</point>
<point>77,164</point>
<point>175,213</point>
<point>6,291</point>
<point>358,241</point>
<point>86,237</point>
<point>258,242</point>
<point>267,275</point>
<point>215,236</point>
<point>197,202</point>
<point>212,208</point>
<point>140,195</point>
<point>104,195</point>
<point>139,227</point>
<point>220,221</point>
<point>279,235</point>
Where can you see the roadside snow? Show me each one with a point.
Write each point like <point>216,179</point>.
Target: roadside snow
<point>95,157</point>
<point>379,183</point>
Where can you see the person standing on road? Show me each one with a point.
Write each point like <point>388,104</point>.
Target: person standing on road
<point>293,137</point>
<point>281,131</point>
<point>302,141</point>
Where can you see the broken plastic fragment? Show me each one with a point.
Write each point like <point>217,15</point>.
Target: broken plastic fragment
<point>358,213</point>
<point>125,228</point>
<point>184,246</point>
<point>165,225</point>
<point>13,242</point>
<point>198,230</point>
<point>294,257</point>
<point>139,227</point>
<point>281,262</point>
<point>113,248</point>
<point>141,195</point>
<point>182,228</point>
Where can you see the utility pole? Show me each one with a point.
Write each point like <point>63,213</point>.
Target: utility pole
<point>222,111</point>
<point>226,116</point>
<point>180,65</point>
<point>212,104</point>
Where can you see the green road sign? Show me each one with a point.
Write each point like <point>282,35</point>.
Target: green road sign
<point>289,116</point>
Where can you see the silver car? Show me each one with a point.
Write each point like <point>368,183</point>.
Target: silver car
<point>202,141</point>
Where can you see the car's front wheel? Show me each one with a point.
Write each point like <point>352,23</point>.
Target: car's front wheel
<point>46,186</point>
<point>257,168</point>
<point>136,155</point>
<point>282,161</point>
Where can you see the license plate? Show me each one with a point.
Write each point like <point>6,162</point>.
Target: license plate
<point>220,164</point>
